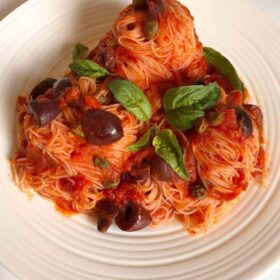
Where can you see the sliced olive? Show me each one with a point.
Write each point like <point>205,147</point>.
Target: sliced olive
<point>151,29</point>
<point>101,127</point>
<point>139,4</point>
<point>42,87</point>
<point>60,86</point>
<point>133,217</point>
<point>244,121</point>
<point>103,224</point>
<point>44,112</point>
<point>198,190</point>
<point>255,112</point>
<point>163,171</point>
<point>108,208</point>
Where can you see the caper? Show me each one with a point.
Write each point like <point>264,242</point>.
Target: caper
<point>139,4</point>
<point>215,118</point>
<point>151,29</point>
<point>101,162</point>
<point>200,125</point>
<point>78,130</point>
<point>198,191</point>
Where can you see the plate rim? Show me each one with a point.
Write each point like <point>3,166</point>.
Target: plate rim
<point>259,269</point>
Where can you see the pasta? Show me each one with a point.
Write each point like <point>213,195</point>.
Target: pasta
<point>143,130</point>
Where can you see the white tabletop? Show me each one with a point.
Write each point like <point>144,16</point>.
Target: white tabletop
<point>270,7</point>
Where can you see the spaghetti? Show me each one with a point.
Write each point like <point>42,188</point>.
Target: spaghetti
<point>84,144</point>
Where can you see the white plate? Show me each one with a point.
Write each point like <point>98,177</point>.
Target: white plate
<point>38,243</point>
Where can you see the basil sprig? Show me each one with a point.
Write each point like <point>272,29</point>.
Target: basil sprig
<point>79,52</point>
<point>88,68</point>
<point>132,98</point>
<point>183,105</point>
<point>144,141</point>
<point>224,66</point>
<point>168,148</point>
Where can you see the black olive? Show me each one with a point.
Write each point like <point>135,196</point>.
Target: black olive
<point>103,224</point>
<point>140,172</point>
<point>255,112</point>
<point>60,86</point>
<point>163,171</point>
<point>44,112</point>
<point>107,208</point>
<point>244,121</point>
<point>198,190</point>
<point>133,217</point>
<point>101,127</point>
<point>42,87</point>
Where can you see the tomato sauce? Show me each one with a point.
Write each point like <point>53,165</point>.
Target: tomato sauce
<point>123,194</point>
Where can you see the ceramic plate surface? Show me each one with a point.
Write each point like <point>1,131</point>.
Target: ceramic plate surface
<point>38,243</point>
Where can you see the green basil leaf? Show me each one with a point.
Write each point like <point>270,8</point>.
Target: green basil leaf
<point>224,66</point>
<point>183,105</point>
<point>143,142</point>
<point>168,148</point>
<point>183,119</point>
<point>101,162</point>
<point>80,51</point>
<point>88,68</point>
<point>132,98</point>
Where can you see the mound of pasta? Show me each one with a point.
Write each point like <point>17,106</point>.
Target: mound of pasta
<point>148,126</point>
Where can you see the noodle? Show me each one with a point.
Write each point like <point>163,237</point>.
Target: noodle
<point>57,162</point>
<point>176,48</point>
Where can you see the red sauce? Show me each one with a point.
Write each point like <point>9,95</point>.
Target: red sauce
<point>230,119</point>
<point>72,95</point>
<point>136,158</point>
<point>235,97</point>
<point>64,207</point>
<point>91,103</point>
<point>260,162</point>
<point>39,161</point>
<point>190,164</point>
<point>220,80</point>
<point>123,193</point>
<point>73,184</point>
